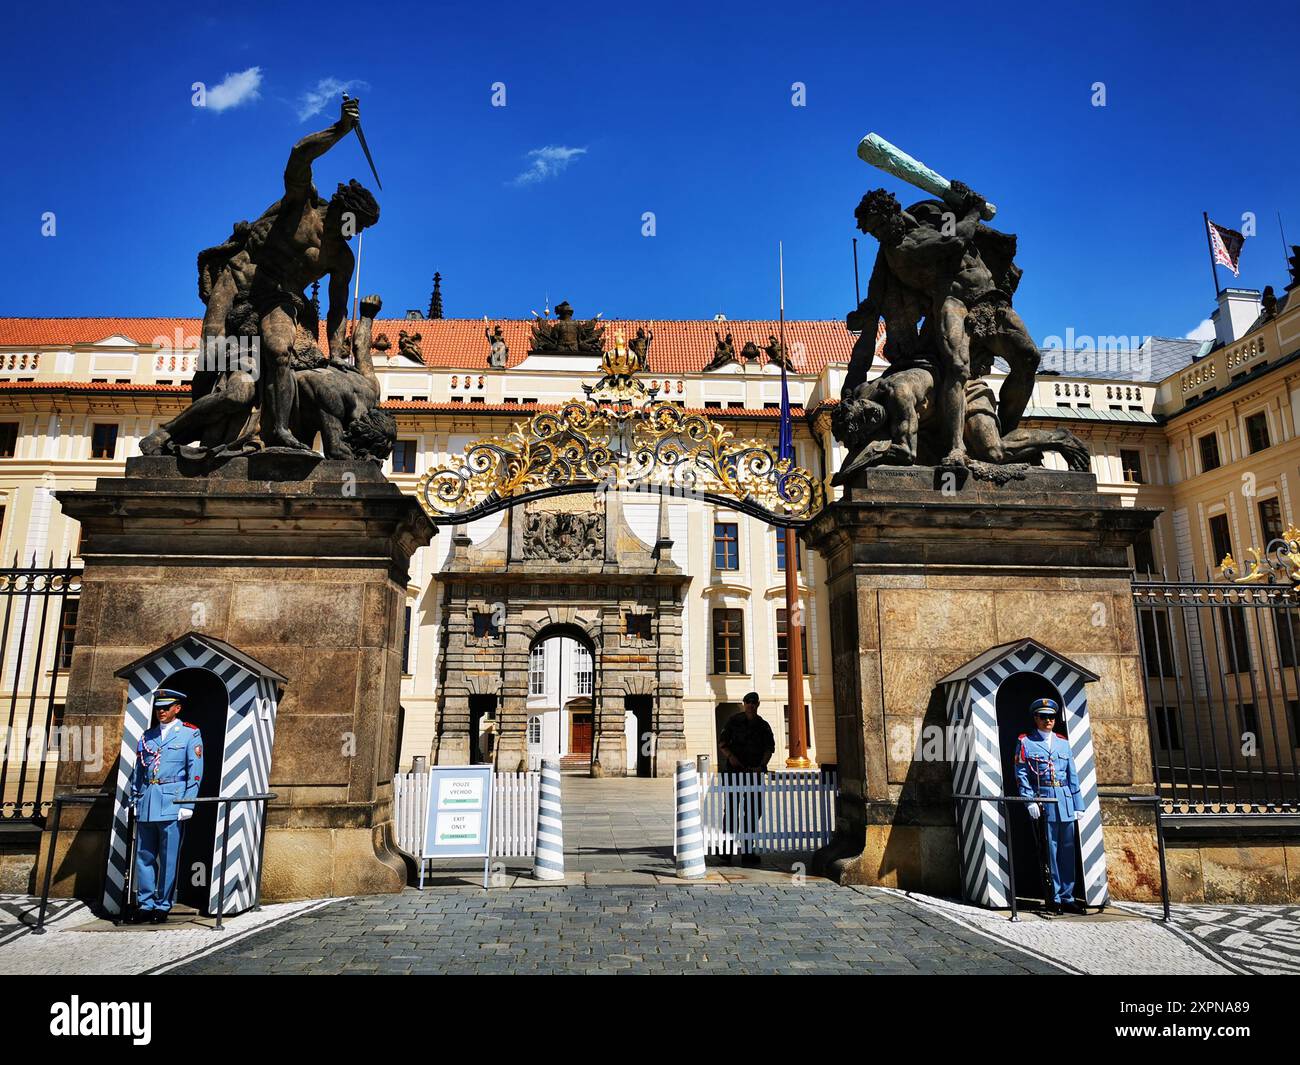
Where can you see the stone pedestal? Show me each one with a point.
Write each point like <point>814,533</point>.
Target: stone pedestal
<point>299,562</point>
<point>928,569</point>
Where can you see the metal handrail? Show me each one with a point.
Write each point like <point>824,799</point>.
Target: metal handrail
<point>1011,852</point>
<point>1158,805</point>
<point>86,800</point>
<point>59,802</point>
<point>225,845</point>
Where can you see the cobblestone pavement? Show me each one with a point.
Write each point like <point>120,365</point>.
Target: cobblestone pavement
<point>1260,940</point>
<point>76,941</point>
<point>1113,942</point>
<point>733,928</point>
<point>759,921</point>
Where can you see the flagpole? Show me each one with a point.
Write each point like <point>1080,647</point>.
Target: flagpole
<point>798,737</point>
<point>356,296</point>
<point>1209,244</point>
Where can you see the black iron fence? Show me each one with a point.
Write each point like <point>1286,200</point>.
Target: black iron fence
<point>38,605</point>
<point>1221,663</point>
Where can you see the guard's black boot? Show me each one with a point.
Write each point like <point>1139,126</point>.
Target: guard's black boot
<point>751,859</point>
<point>1074,906</point>
<point>158,917</point>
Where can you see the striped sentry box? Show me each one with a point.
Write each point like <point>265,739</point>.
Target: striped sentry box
<point>690,830</point>
<point>251,692</point>
<point>971,700</point>
<point>548,862</point>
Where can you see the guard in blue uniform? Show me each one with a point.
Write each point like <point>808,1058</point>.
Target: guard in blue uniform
<point>1045,770</point>
<point>168,767</point>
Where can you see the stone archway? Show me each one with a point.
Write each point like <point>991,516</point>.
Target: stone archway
<point>563,564</point>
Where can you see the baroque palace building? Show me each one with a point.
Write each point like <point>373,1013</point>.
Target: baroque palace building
<point>1204,430</point>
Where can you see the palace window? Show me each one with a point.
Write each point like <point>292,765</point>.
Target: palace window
<point>728,641</point>
<point>485,626</point>
<point>534,731</point>
<point>8,439</point>
<point>735,404</point>
<point>807,722</point>
<point>1131,463</point>
<point>637,625</point>
<point>712,404</point>
<point>1220,538</point>
<point>780,551</point>
<point>1286,623</point>
<point>1144,554</point>
<point>1257,432</point>
<point>783,643</point>
<point>1249,719</point>
<point>1209,445</point>
<point>404,456</point>
<point>68,631</point>
<point>1169,735</point>
<point>1157,644</point>
<point>1234,638</point>
<point>537,670</point>
<point>103,441</point>
<point>1270,519</point>
<point>583,671</point>
<point>726,545</point>
<point>407,617</point>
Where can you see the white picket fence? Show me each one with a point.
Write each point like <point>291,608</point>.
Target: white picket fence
<point>514,813</point>
<point>797,811</point>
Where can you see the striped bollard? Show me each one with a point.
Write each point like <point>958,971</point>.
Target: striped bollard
<point>690,833</point>
<point>548,863</point>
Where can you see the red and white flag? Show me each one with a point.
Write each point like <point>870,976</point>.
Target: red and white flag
<point>1226,245</point>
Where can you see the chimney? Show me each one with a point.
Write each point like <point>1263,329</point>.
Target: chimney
<point>1238,308</point>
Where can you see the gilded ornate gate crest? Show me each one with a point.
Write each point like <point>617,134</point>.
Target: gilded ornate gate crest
<point>620,438</point>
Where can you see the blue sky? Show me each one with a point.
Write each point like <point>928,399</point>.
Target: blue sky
<point>681,110</point>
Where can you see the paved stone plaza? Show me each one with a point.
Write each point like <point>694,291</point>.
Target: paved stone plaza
<point>622,909</point>
<point>741,926</point>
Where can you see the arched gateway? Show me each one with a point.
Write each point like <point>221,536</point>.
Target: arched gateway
<point>566,559</point>
<point>568,567</point>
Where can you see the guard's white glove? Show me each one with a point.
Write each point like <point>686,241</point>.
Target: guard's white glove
<point>1034,810</point>
<point>184,813</point>
<point>1078,815</point>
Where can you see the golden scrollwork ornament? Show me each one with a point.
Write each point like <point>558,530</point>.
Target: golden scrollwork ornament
<point>610,441</point>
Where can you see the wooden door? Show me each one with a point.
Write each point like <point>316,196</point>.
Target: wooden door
<point>580,734</point>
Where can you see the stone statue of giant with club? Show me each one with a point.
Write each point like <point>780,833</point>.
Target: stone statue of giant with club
<point>943,282</point>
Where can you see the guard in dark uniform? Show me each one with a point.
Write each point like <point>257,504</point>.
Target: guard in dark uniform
<point>1045,770</point>
<point>746,746</point>
<point>168,767</point>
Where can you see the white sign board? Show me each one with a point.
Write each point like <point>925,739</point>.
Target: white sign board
<point>459,819</point>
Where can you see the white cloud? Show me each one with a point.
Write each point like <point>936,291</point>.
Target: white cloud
<point>548,162</point>
<point>1204,331</point>
<point>326,91</point>
<point>235,89</point>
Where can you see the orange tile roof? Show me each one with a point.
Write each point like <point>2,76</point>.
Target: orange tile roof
<point>458,343</point>
<point>90,386</point>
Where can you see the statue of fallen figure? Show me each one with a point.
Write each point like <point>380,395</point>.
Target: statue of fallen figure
<point>330,397</point>
<point>891,421</point>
